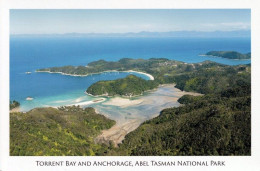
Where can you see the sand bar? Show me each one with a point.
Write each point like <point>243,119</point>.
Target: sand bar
<point>75,75</point>
<point>88,102</point>
<point>146,107</point>
<point>122,102</point>
<point>118,132</point>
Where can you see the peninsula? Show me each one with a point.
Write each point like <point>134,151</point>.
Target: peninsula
<point>129,86</point>
<point>217,123</point>
<point>125,65</point>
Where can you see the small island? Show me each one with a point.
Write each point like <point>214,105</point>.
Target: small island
<point>29,98</point>
<point>129,86</point>
<point>229,54</point>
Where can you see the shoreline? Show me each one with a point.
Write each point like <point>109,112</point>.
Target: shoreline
<point>118,132</point>
<point>122,102</point>
<point>225,58</point>
<point>75,75</point>
<point>16,109</point>
<point>139,72</point>
<point>84,103</point>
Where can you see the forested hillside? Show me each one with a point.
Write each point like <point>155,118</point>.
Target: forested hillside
<point>129,86</point>
<point>66,131</point>
<point>205,77</point>
<point>218,123</point>
<point>215,124</point>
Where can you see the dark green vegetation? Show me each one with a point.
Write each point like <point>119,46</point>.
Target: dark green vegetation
<point>13,104</point>
<point>229,54</point>
<point>213,124</point>
<point>211,78</point>
<point>66,131</point>
<point>205,77</point>
<point>129,86</point>
<point>217,123</point>
<point>102,65</point>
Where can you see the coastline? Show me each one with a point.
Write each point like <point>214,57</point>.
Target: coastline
<point>128,121</point>
<point>88,102</point>
<point>139,72</point>
<point>75,75</point>
<point>122,102</point>
<point>225,58</point>
<point>16,109</point>
<point>118,132</point>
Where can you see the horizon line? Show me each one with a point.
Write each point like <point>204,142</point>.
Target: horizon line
<point>12,34</point>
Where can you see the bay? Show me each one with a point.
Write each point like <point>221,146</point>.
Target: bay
<point>28,54</point>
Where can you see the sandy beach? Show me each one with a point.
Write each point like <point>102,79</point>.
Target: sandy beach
<point>143,108</point>
<point>148,75</point>
<point>17,109</point>
<point>122,102</point>
<point>74,75</point>
<point>118,132</point>
<point>88,102</point>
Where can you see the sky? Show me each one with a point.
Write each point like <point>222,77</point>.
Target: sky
<point>122,21</point>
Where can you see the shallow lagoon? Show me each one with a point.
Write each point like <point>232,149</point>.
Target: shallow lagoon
<point>60,90</point>
<point>129,118</point>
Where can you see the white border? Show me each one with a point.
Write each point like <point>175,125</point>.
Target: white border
<point>8,163</point>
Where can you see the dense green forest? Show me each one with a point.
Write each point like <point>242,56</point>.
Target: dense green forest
<point>218,123</point>
<point>66,131</point>
<point>129,86</point>
<point>121,65</point>
<point>210,78</point>
<point>13,104</point>
<point>214,124</point>
<point>229,54</point>
<point>205,77</point>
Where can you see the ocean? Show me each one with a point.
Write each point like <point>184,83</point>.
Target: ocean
<point>28,54</point>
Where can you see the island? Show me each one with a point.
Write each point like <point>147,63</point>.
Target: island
<point>217,123</point>
<point>29,98</point>
<point>229,54</point>
<point>129,86</point>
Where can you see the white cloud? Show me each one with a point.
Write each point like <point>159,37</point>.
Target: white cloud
<point>227,26</point>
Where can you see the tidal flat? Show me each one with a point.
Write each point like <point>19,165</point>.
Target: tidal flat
<point>130,113</point>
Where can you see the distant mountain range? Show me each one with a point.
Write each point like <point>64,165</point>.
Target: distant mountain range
<point>238,33</point>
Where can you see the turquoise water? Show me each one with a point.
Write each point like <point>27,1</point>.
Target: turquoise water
<point>59,90</point>
<point>151,105</point>
<point>29,54</point>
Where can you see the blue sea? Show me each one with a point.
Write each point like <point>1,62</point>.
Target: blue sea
<point>30,53</point>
